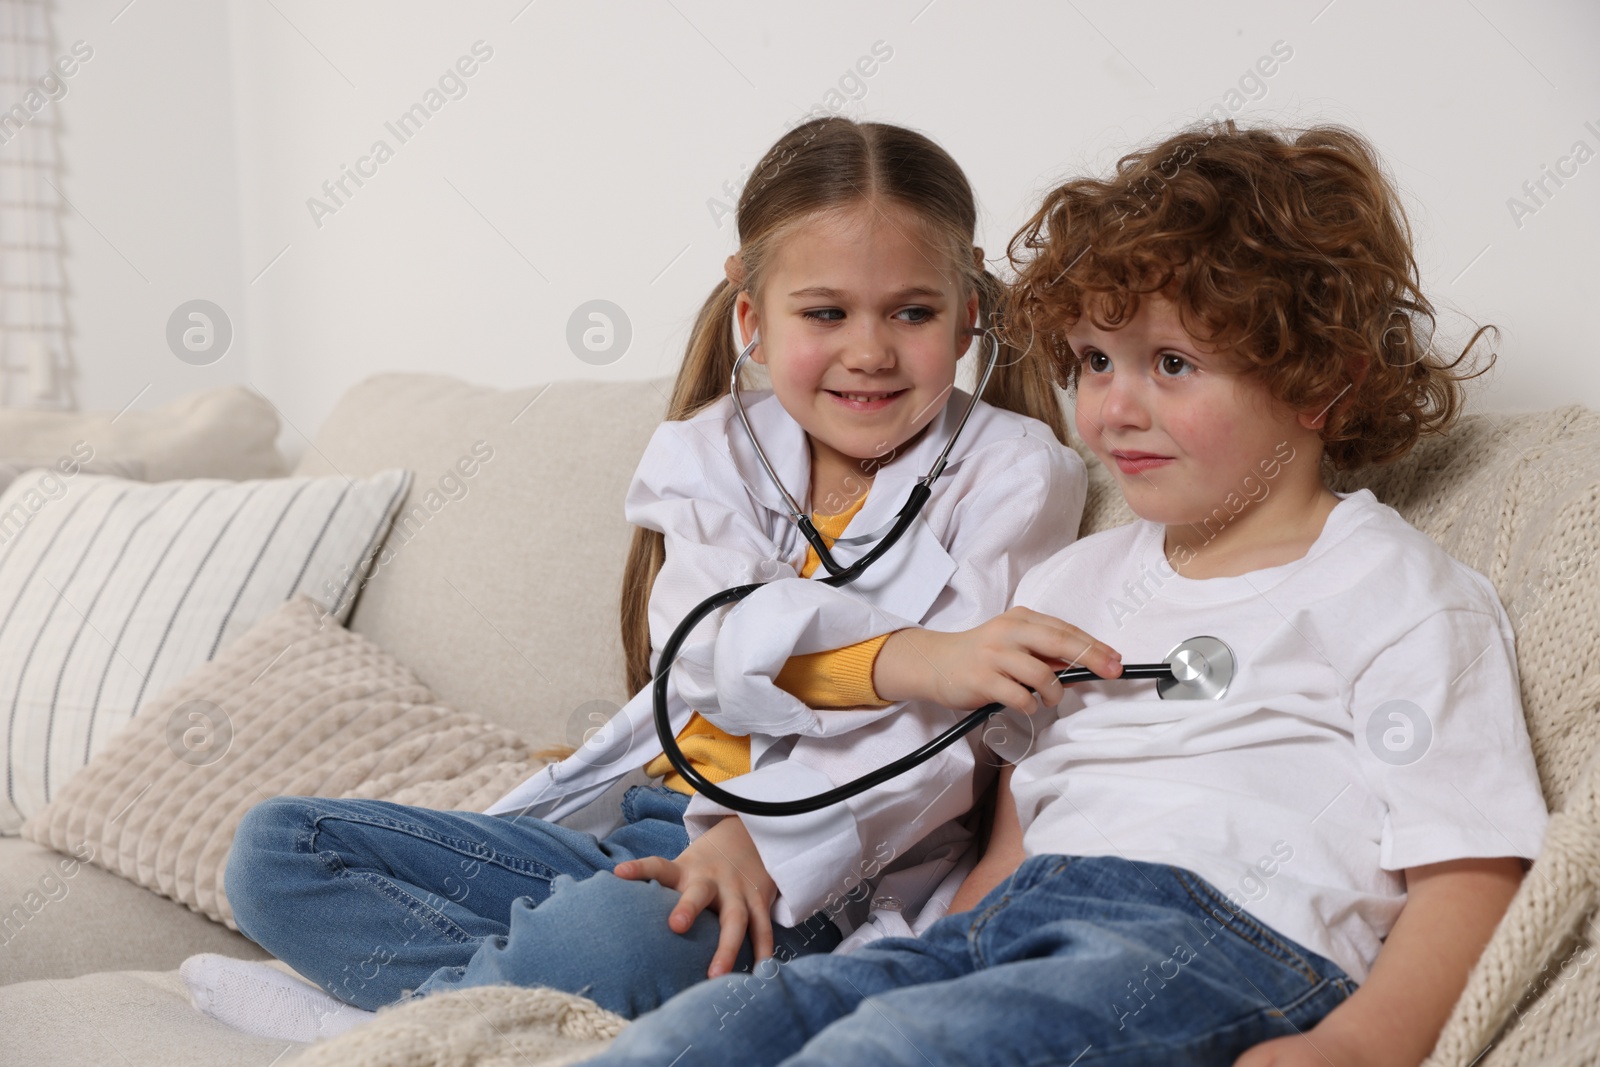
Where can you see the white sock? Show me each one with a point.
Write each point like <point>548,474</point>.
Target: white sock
<point>257,998</point>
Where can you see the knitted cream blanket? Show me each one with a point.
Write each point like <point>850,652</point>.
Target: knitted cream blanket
<point>1514,496</point>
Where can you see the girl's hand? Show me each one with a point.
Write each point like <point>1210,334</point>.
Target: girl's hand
<point>997,661</point>
<point>723,870</point>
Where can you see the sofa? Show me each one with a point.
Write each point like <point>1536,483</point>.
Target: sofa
<point>501,596</point>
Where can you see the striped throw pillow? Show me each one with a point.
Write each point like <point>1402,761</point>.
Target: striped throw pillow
<point>112,590</point>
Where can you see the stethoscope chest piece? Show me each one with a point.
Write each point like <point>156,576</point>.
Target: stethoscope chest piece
<point>1202,668</point>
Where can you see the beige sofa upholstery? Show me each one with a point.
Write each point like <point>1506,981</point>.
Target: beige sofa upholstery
<point>500,591</point>
<point>504,601</point>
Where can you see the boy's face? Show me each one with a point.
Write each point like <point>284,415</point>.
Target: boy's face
<point>1187,436</point>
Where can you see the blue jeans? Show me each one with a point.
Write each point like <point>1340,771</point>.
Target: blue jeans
<point>375,901</point>
<point>1072,960</point>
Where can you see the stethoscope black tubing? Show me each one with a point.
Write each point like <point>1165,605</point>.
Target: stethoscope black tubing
<point>751,806</point>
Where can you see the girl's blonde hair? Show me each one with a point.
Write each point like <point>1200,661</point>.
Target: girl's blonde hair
<point>824,165</point>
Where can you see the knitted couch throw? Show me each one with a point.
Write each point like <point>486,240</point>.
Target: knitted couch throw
<point>481,1026</point>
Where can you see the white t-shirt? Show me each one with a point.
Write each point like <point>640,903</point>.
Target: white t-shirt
<point>1274,793</point>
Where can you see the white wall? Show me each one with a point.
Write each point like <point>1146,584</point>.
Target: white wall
<point>148,152</point>
<point>580,161</point>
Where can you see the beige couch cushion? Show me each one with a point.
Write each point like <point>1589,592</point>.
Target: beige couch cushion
<point>227,432</point>
<point>125,1018</point>
<point>143,1018</point>
<point>62,922</point>
<point>500,588</point>
<point>297,705</point>
<point>12,469</point>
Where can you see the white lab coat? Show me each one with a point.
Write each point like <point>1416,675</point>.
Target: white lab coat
<point>1010,497</point>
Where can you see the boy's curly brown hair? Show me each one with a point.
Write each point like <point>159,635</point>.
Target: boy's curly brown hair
<point>1290,248</point>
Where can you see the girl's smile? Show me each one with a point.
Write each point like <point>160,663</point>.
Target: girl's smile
<point>867,401</point>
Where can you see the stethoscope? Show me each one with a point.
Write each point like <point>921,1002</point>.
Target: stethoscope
<point>1200,668</point>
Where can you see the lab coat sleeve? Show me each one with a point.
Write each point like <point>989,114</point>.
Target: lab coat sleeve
<point>694,497</point>
<point>1009,517</point>
<point>1013,516</point>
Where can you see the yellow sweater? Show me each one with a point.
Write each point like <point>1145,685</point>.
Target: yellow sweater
<point>841,678</point>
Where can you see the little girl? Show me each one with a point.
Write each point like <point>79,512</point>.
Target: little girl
<point>858,281</point>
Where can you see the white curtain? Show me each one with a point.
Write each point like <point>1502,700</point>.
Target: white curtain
<point>34,357</point>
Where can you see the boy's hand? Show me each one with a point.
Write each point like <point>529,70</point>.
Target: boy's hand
<point>997,661</point>
<point>722,870</point>
<point>1394,1018</point>
<point>1310,1049</point>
